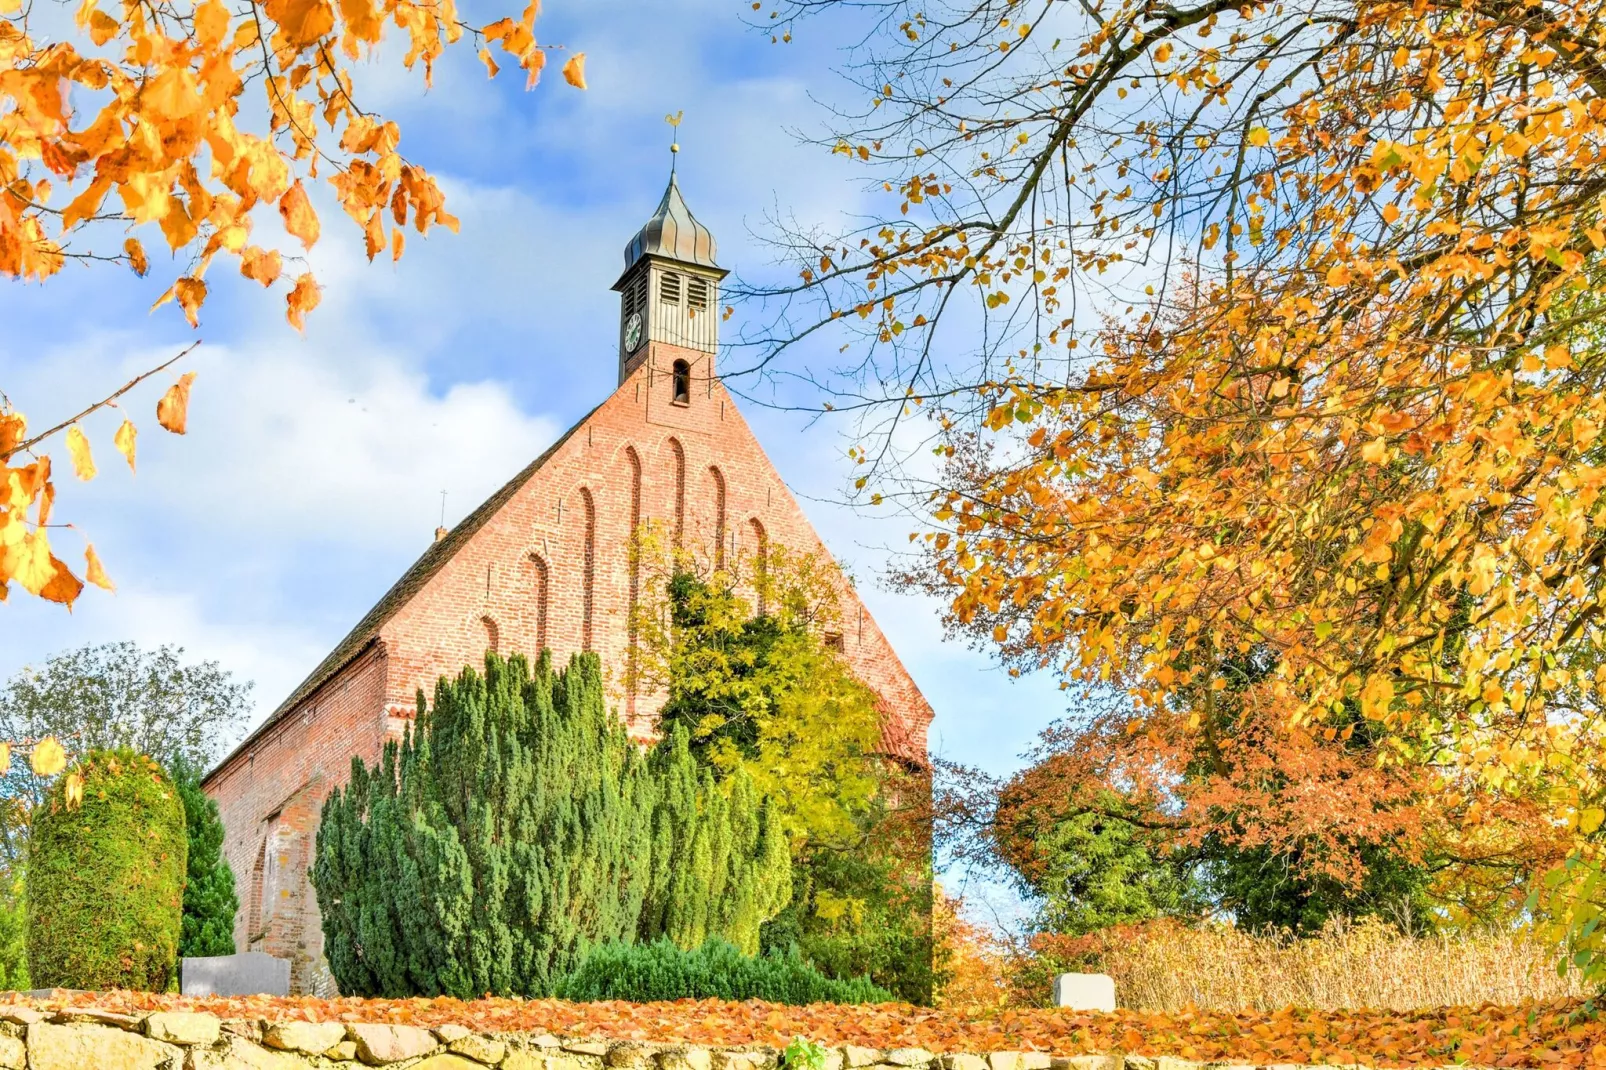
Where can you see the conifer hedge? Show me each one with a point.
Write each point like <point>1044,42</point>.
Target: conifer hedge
<point>517,827</point>
<point>106,877</point>
<point>645,973</point>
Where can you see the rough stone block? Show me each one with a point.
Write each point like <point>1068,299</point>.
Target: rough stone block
<point>311,1038</point>
<point>586,1047</point>
<point>1169,1062</point>
<point>629,1055</point>
<point>250,974</point>
<point>1139,1062</point>
<point>343,1052</point>
<point>480,1049</point>
<point>381,1044</point>
<point>239,1054</point>
<point>13,1053</point>
<point>183,1027</point>
<point>909,1057</point>
<point>522,1059</point>
<point>96,1016</point>
<point>685,1059</point>
<point>1085,991</point>
<point>1003,1060</point>
<point>961,1061</point>
<point>75,1047</point>
<point>1094,1062</point>
<point>1033,1060</point>
<point>21,1015</point>
<point>855,1056</point>
<point>446,1061</point>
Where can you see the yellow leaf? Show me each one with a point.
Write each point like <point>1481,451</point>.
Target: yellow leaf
<point>173,411</point>
<point>1375,451</point>
<point>73,789</point>
<point>124,441</point>
<point>490,64</point>
<point>190,292</point>
<point>28,561</point>
<point>301,300</point>
<point>299,218</point>
<point>48,757</point>
<point>102,27</point>
<point>574,71</point>
<point>1590,819</point>
<point>94,572</point>
<point>5,758</point>
<point>1260,137</point>
<point>83,463</point>
<point>211,24</point>
<point>1162,53</point>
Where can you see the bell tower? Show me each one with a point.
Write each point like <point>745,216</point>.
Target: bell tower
<point>669,292</point>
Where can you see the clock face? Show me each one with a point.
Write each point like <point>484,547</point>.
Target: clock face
<point>633,332</point>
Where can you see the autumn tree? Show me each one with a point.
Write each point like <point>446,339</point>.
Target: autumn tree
<point>1289,350</point>
<point>739,652</point>
<point>182,125</point>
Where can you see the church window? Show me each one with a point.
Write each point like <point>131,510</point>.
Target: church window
<point>492,635</point>
<point>696,292</point>
<point>669,288</point>
<point>833,641</point>
<point>638,294</point>
<point>536,572</point>
<point>681,376</point>
<point>680,490</point>
<point>633,548</point>
<point>588,577</point>
<point>761,567</point>
<point>719,517</point>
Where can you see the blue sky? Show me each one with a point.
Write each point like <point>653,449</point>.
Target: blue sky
<point>312,472</point>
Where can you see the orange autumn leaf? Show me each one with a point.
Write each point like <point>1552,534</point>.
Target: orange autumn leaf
<point>48,757</point>
<point>301,300</point>
<point>136,256</point>
<point>574,71</point>
<point>73,791</point>
<point>124,441</point>
<point>83,462</point>
<point>173,410</point>
<point>263,265</point>
<point>63,586</point>
<point>299,218</point>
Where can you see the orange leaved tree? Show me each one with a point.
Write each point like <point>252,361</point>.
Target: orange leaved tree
<point>131,131</point>
<point>1292,356</point>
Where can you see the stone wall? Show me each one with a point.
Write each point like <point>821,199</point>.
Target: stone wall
<point>181,1040</point>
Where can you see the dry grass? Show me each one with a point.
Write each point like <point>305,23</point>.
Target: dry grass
<point>1349,966</point>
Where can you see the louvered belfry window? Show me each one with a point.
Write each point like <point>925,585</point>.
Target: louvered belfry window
<point>697,293</point>
<point>669,288</point>
<point>638,294</point>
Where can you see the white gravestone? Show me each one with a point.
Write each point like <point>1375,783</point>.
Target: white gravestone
<point>1085,991</point>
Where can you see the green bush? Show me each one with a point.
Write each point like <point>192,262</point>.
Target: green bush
<point>517,827</point>
<point>106,877</point>
<point>645,973</point>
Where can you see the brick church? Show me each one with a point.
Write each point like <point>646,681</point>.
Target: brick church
<point>544,563</point>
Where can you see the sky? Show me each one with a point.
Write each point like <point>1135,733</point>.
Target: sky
<point>312,471</point>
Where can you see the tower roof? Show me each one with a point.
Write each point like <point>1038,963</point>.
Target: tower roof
<point>672,233</point>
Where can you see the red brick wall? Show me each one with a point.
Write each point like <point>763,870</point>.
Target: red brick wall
<point>520,577</point>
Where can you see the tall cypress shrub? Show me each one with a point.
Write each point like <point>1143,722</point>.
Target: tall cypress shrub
<point>210,902</point>
<point>517,827</point>
<point>106,877</point>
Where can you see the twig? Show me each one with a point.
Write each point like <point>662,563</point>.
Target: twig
<point>131,384</point>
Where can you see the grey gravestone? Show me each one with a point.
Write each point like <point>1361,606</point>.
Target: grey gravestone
<point>250,974</point>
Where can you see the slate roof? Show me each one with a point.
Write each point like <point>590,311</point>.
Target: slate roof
<point>402,592</point>
<point>673,233</point>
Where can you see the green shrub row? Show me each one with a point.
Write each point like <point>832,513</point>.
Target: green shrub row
<point>646,973</point>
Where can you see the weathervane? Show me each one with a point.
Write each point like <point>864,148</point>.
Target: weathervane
<point>674,146</point>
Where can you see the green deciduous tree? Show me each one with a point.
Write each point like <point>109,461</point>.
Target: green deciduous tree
<point>106,876</point>
<point>519,826</point>
<point>110,696</point>
<point>763,694</point>
<point>210,901</point>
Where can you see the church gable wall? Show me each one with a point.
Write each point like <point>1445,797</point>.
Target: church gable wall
<point>525,575</point>
<point>270,798</point>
